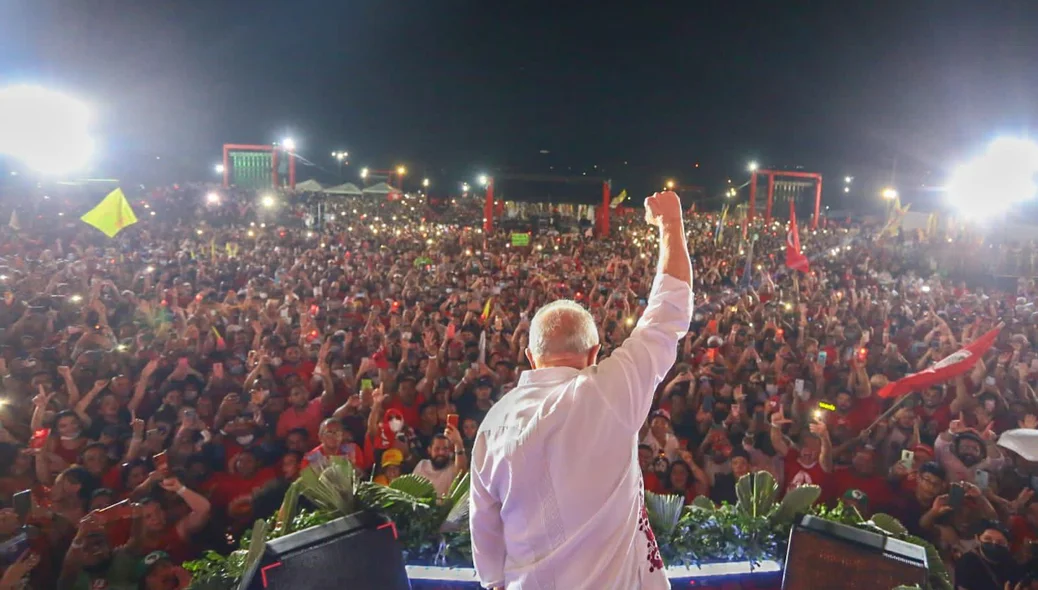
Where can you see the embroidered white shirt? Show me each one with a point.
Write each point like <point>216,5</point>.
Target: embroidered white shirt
<point>556,498</point>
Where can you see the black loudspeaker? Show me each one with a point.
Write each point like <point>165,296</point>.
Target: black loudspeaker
<point>826,554</point>
<point>355,552</point>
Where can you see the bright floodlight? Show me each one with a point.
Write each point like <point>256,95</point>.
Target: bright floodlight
<point>400,170</point>
<point>670,185</point>
<point>213,198</point>
<point>219,168</point>
<point>268,201</point>
<point>847,179</point>
<point>483,179</point>
<point>425,182</point>
<point>363,172</point>
<point>753,166</point>
<point>889,194</point>
<point>996,180</point>
<point>289,144</point>
<point>464,187</point>
<point>46,130</point>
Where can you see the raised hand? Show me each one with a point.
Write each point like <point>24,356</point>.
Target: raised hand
<point>663,209</point>
<point>778,419</point>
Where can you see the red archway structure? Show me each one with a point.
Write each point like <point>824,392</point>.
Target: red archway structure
<point>601,214</point>
<point>274,150</point>
<point>770,175</point>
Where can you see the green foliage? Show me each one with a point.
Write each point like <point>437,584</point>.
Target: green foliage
<point>664,512</point>
<point>797,501</point>
<point>434,531</point>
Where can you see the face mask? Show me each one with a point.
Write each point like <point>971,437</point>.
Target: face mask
<point>190,395</point>
<point>244,440</point>
<point>994,552</point>
<point>72,436</point>
<point>275,362</point>
<point>771,388</point>
<point>396,424</point>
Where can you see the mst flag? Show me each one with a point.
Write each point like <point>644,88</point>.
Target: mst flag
<point>794,258</point>
<point>111,215</point>
<point>947,368</point>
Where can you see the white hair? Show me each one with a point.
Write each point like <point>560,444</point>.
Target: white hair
<point>562,327</point>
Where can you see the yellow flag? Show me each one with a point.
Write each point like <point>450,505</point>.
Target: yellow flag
<point>112,214</point>
<point>486,308</point>
<point>620,198</point>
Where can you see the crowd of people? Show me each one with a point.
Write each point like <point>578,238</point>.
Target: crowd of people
<point>161,389</point>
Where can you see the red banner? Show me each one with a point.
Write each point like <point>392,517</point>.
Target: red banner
<point>947,368</point>
<point>795,259</point>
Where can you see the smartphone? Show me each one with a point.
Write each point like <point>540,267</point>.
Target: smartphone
<point>989,380</point>
<point>22,502</point>
<point>956,495</point>
<point>798,386</point>
<point>450,331</point>
<point>119,511</point>
<point>190,414</point>
<point>13,548</point>
<point>981,478</point>
<point>161,462</point>
<point>452,420</point>
<point>907,458</point>
<point>285,313</point>
<point>863,354</point>
<point>314,310</point>
<point>822,357</point>
<point>367,384</point>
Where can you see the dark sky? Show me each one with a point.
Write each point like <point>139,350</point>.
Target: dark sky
<point>454,87</point>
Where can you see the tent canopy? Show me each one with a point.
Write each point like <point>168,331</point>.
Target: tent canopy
<point>380,189</point>
<point>344,189</point>
<point>310,185</point>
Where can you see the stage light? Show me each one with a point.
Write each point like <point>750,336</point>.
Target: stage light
<point>992,183</point>
<point>401,170</point>
<point>464,187</point>
<point>483,180</point>
<point>213,199</point>
<point>268,201</point>
<point>847,179</point>
<point>46,130</point>
<point>289,144</point>
<point>846,189</point>
<point>363,172</point>
<point>670,185</point>
<point>753,167</point>
<point>219,168</point>
<point>889,194</point>
<point>425,182</point>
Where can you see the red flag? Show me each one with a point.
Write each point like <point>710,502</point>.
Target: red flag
<point>794,259</point>
<point>947,368</point>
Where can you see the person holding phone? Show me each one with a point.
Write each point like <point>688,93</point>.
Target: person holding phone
<point>574,522</point>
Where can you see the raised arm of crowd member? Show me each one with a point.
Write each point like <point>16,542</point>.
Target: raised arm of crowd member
<point>825,456</point>
<point>142,385</point>
<point>197,503</point>
<point>375,416</point>
<point>962,401</point>
<point>83,404</point>
<point>70,385</point>
<point>779,442</point>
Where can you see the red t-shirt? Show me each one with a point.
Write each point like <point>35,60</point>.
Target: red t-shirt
<point>876,488</point>
<point>797,475</point>
<point>859,418</point>
<point>652,483</point>
<point>1020,532</point>
<point>410,412</point>
<point>309,418</point>
<point>227,487</point>
<point>305,370</point>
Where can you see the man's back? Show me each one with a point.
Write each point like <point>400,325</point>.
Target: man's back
<point>557,498</point>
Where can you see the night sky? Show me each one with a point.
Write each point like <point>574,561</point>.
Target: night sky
<point>452,88</point>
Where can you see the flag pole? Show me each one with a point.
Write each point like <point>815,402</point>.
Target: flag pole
<point>897,405</point>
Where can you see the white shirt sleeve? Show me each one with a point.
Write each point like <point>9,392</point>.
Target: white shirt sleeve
<point>488,555</point>
<point>629,376</point>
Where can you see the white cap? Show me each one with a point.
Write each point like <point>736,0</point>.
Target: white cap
<point>1022,441</point>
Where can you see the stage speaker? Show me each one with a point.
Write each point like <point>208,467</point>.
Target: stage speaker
<point>355,552</point>
<point>826,554</point>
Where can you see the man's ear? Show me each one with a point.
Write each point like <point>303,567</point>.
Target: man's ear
<point>592,355</point>
<point>529,357</point>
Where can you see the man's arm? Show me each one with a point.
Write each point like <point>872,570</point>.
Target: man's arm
<point>630,375</point>
<point>485,524</point>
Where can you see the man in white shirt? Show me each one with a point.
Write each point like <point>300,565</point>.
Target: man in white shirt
<point>439,468</point>
<point>556,497</point>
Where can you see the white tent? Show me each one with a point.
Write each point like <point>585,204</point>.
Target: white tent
<point>380,189</point>
<point>309,186</point>
<point>344,189</point>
